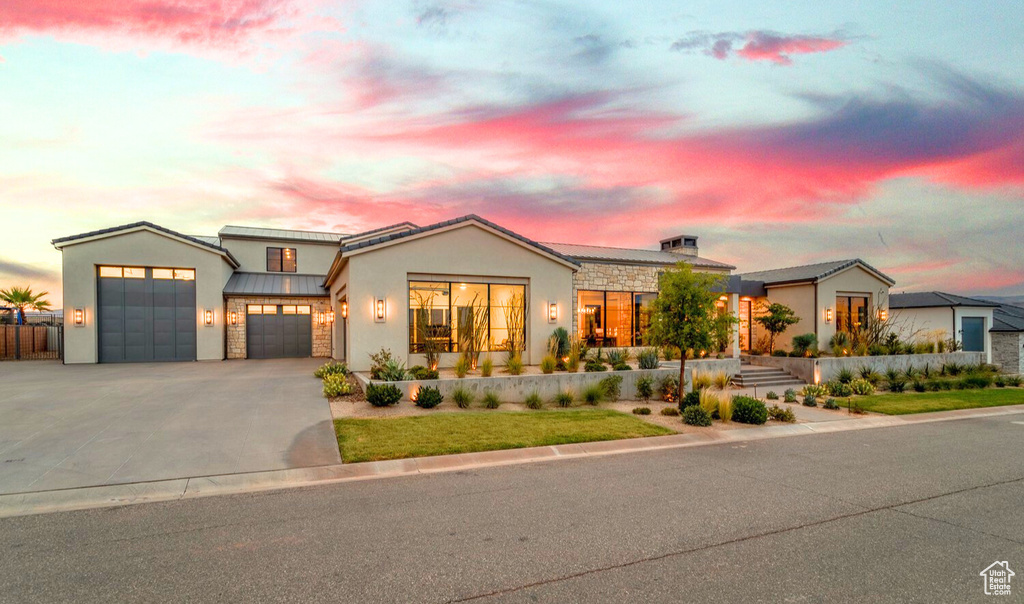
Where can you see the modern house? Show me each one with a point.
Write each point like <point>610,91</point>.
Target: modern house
<point>944,315</point>
<point>142,292</point>
<point>827,297</point>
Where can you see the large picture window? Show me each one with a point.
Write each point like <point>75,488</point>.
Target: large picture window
<point>613,319</point>
<point>466,317</point>
<point>281,260</point>
<point>851,313</point>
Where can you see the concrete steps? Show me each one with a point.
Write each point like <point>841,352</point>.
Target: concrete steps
<point>753,376</point>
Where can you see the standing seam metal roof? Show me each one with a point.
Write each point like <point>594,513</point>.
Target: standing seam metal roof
<point>286,234</point>
<point>275,284</point>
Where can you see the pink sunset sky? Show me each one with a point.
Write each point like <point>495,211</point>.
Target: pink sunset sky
<point>894,134</point>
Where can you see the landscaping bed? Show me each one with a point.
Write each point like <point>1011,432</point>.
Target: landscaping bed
<point>925,402</point>
<point>448,433</point>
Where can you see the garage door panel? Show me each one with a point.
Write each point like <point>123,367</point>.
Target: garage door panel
<point>276,335</point>
<point>146,319</point>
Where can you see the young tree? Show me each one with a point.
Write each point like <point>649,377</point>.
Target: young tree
<point>22,299</point>
<point>776,318</point>
<point>684,313</point>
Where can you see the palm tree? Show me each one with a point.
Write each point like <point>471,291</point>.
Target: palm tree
<point>22,298</point>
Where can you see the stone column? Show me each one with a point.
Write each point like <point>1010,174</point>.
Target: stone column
<point>734,308</point>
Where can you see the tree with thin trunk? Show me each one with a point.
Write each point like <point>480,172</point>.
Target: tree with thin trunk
<point>776,319</point>
<point>22,299</point>
<point>684,313</point>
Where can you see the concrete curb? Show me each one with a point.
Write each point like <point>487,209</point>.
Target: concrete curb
<point>42,502</point>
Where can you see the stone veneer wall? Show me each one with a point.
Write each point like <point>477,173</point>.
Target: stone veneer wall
<point>613,278</point>
<point>1008,351</point>
<point>236,333</point>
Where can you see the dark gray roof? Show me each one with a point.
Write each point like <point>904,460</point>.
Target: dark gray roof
<point>1007,318</point>
<point>453,221</point>
<point>143,223</point>
<point>934,300</point>
<point>278,234</point>
<point>810,272</point>
<point>275,284</point>
<point>585,253</point>
<point>381,229</point>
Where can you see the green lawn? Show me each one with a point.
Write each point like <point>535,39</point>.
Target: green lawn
<point>445,433</point>
<point>923,402</point>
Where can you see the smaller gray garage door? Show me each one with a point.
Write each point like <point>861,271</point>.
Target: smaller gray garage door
<point>973,334</point>
<point>274,331</point>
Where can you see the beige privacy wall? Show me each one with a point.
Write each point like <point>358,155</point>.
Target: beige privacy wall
<point>465,252</point>
<point>236,343</point>
<point>145,249</point>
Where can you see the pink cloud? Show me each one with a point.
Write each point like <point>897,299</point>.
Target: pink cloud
<point>767,46</point>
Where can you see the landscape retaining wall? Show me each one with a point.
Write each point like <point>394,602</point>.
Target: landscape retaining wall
<point>824,369</point>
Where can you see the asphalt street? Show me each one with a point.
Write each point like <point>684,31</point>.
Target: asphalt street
<point>907,514</point>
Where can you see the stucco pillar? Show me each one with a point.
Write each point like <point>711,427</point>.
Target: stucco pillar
<point>734,308</point>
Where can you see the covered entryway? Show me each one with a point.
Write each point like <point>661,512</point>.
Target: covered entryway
<point>973,334</point>
<point>278,331</point>
<point>146,314</point>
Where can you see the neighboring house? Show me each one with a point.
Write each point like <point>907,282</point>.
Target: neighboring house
<point>827,297</point>
<point>967,320</point>
<point>1007,336</point>
<point>142,292</point>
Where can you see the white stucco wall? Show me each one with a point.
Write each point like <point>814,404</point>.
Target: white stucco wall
<point>801,299</point>
<point>467,252</point>
<point>854,281</point>
<point>144,249</point>
<point>916,323</point>
<point>968,311</point>
<point>311,258</point>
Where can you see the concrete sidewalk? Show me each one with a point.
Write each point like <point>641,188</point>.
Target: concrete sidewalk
<point>168,490</point>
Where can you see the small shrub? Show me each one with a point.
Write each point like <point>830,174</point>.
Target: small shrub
<point>564,399</point>
<point>336,384</point>
<point>918,385</point>
<point>419,372</point>
<point>772,396</point>
<point>830,403</point>
<point>977,381</point>
<point>853,406</point>
<point>748,410</point>
<point>815,390</point>
<point>910,373</point>
<point>486,367</point>
<point>891,375</point>
<point>611,387</point>
<point>694,415</point>
<point>622,367</point>
<point>789,395</point>
<point>810,401</point>
<point>897,385</point>
<point>533,401</point>
<point>593,365</point>
<point>953,369</point>
<point>1000,382</point>
<point>383,395</point>
<point>462,366</point>
<point>804,343</point>
<point>377,362</point>
<point>428,397</point>
<point>462,397</point>
<point>841,389</point>
<point>672,411</point>
<point>491,400</point>
<point>669,389</point>
<point>877,350</point>
<point>722,380</point>
<point>670,352</point>
<point>393,371</point>
<point>573,364</point>
<point>617,357</point>
<point>592,394</point>
<point>862,387</point>
<point>780,353</point>
<point>725,409</point>
<point>708,402</point>
<point>781,415</point>
<point>548,364</point>
<point>689,399</point>
<point>514,364</point>
<point>645,387</point>
<point>845,376</point>
<point>701,380</point>
<point>331,368</point>
<point>1013,380</point>
<point>641,410</point>
<point>648,358</point>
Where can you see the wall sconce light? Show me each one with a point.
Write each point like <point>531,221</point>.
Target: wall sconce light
<point>208,317</point>
<point>79,316</point>
<point>883,314</point>
<point>379,310</point>
<point>552,312</point>
<point>320,318</point>
<point>344,310</point>
<point>828,314</point>
<point>330,316</point>
<point>232,318</point>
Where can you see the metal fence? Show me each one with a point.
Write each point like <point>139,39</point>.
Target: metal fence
<point>25,342</point>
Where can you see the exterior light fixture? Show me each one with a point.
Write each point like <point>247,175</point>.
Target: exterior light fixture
<point>883,314</point>
<point>723,298</point>
<point>330,316</point>
<point>828,314</point>
<point>208,317</point>
<point>79,316</point>
<point>232,318</point>
<point>379,310</point>
<point>320,317</point>
<point>344,310</point>
<point>552,312</point>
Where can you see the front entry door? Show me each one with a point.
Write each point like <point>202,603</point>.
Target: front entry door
<point>973,334</point>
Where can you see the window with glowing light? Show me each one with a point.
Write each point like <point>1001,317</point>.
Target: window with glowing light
<point>451,313</point>
<point>281,260</point>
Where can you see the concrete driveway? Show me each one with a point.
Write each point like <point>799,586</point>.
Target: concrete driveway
<point>86,425</point>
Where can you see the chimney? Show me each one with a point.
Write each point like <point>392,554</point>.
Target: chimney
<point>680,244</point>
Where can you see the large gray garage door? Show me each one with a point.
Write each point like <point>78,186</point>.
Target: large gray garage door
<point>146,314</point>
<point>276,331</point>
